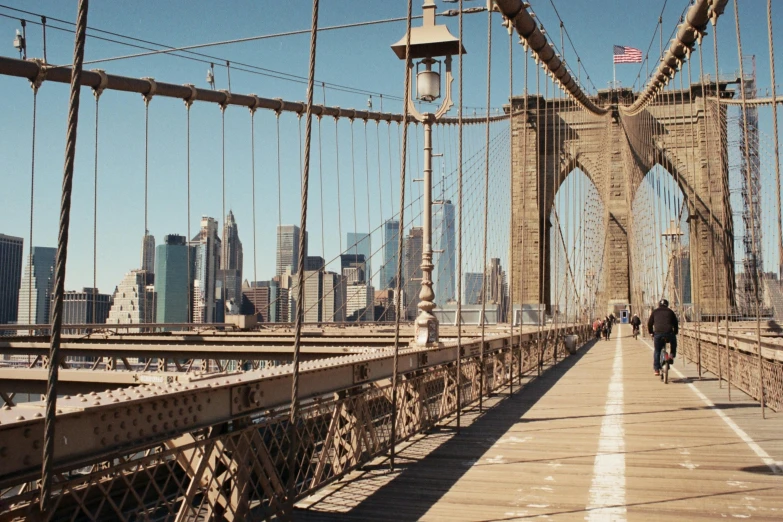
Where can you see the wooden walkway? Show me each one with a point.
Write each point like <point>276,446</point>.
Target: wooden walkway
<point>598,438</point>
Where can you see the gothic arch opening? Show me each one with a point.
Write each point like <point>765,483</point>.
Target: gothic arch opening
<point>575,248</point>
<point>660,243</point>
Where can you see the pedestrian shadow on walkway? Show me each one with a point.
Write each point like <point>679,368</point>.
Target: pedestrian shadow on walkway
<point>420,482</point>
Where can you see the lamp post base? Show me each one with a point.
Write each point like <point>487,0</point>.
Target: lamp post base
<point>427,329</point>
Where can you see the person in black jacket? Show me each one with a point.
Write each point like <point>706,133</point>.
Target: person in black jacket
<point>663,327</point>
<point>636,323</point>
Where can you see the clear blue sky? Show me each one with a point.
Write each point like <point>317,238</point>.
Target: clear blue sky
<point>359,58</point>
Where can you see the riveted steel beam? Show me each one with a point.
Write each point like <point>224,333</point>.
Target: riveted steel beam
<point>31,69</point>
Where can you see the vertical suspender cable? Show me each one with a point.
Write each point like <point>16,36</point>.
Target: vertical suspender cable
<point>482,369</point>
<point>397,300</point>
<point>538,151</point>
<point>62,257</point>
<point>97,93</point>
<point>775,135</point>
<point>753,217</point>
<point>711,227</point>
<point>523,177</point>
<point>224,244</point>
<point>459,229</point>
<point>189,283</point>
<point>253,186</point>
<point>30,319</point>
<point>544,232</point>
<point>510,310</point>
<point>294,412</point>
<point>695,216</point>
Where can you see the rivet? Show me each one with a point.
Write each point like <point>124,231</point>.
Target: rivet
<point>116,438</point>
<point>38,415</point>
<point>59,411</point>
<point>154,428</point>
<point>80,395</point>
<point>199,407</point>
<point>96,403</point>
<point>84,400</point>
<point>103,441</point>
<point>36,444</point>
<point>195,418</point>
<point>96,430</point>
<point>20,418</point>
<point>67,397</point>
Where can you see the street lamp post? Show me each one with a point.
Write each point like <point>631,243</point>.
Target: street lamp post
<point>427,42</point>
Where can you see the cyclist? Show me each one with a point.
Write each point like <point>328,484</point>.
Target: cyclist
<point>607,328</point>
<point>636,323</point>
<point>663,326</point>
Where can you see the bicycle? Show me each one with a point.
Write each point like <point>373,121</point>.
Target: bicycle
<point>635,332</point>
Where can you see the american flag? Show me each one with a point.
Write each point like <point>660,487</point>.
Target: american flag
<point>624,54</point>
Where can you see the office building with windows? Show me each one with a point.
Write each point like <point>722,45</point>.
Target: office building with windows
<point>11,254</point>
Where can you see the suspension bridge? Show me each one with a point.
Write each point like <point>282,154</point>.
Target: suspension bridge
<point>425,348</point>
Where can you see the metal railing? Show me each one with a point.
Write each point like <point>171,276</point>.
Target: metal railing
<point>218,448</point>
<point>735,360</point>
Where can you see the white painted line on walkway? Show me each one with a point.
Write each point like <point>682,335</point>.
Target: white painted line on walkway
<point>774,466</point>
<point>607,491</point>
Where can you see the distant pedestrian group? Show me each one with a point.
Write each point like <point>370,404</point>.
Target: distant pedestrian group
<point>603,327</point>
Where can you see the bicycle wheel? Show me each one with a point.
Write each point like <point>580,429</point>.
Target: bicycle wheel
<point>665,373</point>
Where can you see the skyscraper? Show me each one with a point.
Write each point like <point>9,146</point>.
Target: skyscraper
<point>391,230</point>
<point>171,280</point>
<point>10,277</point>
<point>412,270</point>
<point>313,296</point>
<point>354,266</point>
<point>444,242</point>
<point>36,287</point>
<point>359,302</point>
<point>334,297</point>
<point>496,290</point>
<point>87,306</point>
<point>474,281</point>
<point>231,261</point>
<point>314,263</point>
<point>266,299</point>
<point>206,254</point>
<point>134,301</point>
<point>148,256</point>
<point>360,243</point>
<point>288,249</point>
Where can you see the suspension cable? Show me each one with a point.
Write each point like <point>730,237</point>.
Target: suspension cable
<point>294,412</point>
<point>750,187</point>
<point>459,226</point>
<point>484,292</point>
<point>395,370</point>
<point>62,257</point>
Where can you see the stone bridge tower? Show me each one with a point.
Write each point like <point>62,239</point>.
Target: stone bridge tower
<point>615,151</point>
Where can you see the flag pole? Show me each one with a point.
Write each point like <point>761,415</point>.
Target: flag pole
<point>614,72</point>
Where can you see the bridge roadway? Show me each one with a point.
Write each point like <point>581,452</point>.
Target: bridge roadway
<point>597,438</point>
